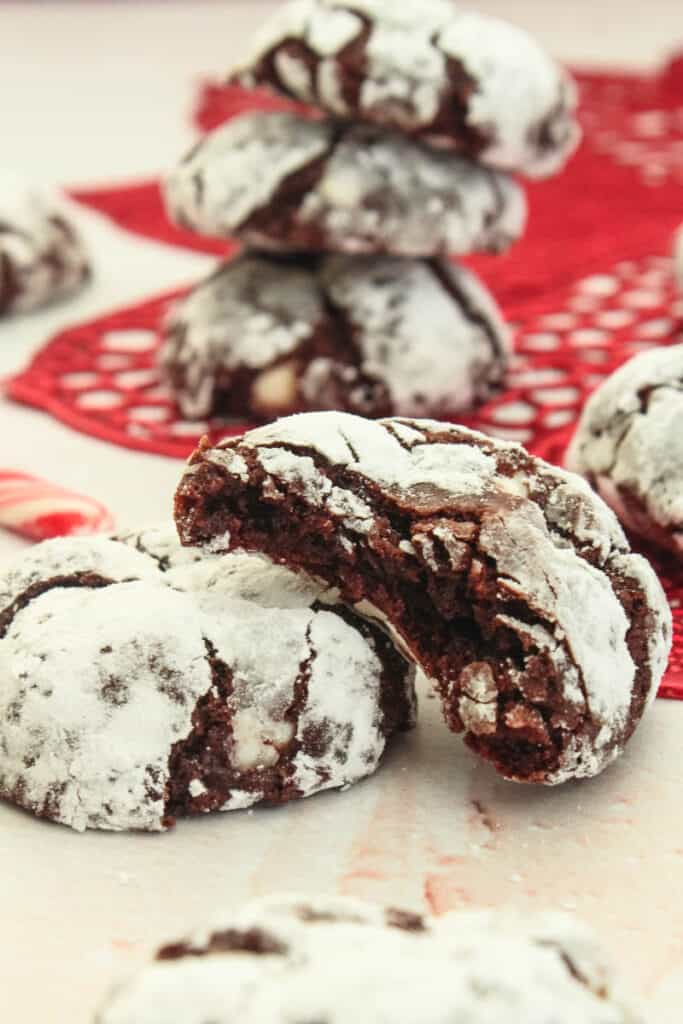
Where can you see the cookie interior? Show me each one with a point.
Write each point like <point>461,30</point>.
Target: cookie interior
<point>441,596</point>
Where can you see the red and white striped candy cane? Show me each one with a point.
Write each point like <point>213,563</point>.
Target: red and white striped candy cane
<point>38,510</point>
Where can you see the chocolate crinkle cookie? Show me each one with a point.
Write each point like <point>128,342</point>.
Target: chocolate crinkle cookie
<point>508,581</point>
<point>279,181</point>
<point>338,961</point>
<point>264,337</point>
<point>458,78</point>
<point>42,258</point>
<point>136,686</point>
<point>629,445</point>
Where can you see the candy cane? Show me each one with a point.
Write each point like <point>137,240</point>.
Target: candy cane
<point>39,510</point>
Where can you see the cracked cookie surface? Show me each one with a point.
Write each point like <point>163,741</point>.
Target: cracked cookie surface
<point>337,961</point>
<point>281,182</point>
<point>136,684</point>
<point>264,337</point>
<point>629,445</point>
<point>508,581</point>
<point>42,258</point>
<point>458,78</point>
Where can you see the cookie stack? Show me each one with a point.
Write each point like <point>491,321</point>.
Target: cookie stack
<point>418,113</point>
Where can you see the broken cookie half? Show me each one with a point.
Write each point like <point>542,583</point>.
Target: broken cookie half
<point>505,579</point>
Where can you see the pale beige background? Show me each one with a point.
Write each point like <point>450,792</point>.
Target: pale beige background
<point>102,91</point>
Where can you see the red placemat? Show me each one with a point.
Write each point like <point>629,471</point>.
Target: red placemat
<point>588,286</point>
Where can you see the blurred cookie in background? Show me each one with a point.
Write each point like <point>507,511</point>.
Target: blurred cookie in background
<point>42,257</point>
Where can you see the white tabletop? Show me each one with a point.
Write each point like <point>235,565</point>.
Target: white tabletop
<point>100,92</point>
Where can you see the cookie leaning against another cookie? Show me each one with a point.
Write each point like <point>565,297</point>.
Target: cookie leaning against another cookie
<point>508,581</point>
<point>629,445</point>
<point>264,337</point>
<point>42,258</point>
<point>458,78</point>
<point>295,959</point>
<point>135,684</point>
<point>278,181</point>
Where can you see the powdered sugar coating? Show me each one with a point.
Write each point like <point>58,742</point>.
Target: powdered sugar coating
<point>279,181</point>
<point>97,685</point>
<point>41,256</point>
<point>466,502</point>
<point>521,92</point>
<point>57,558</point>
<point>459,78</point>
<point>435,337</point>
<point>629,444</point>
<point>370,334</point>
<point>338,960</point>
<point>108,650</point>
<point>248,316</point>
<point>158,543</point>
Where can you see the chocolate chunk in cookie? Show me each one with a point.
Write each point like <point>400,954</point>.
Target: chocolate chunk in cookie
<point>507,580</point>
<point>458,78</point>
<point>629,445</point>
<point>371,335</point>
<point>278,181</point>
<point>316,961</point>
<point>140,682</point>
<point>41,256</point>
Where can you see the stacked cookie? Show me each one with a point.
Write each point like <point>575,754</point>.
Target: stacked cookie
<point>344,299</point>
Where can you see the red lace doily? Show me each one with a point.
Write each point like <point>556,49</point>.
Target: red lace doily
<point>589,285</point>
